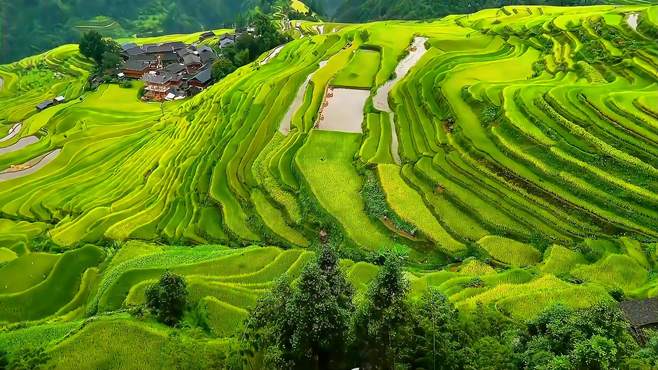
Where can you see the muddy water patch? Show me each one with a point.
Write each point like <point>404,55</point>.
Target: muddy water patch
<point>380,100</point>
<point>342,110</point>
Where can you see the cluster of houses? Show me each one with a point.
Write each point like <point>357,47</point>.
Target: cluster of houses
<point>171,70</point>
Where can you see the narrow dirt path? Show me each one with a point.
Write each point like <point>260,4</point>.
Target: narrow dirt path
<point>286,122</point>
<point>13,131</point>
<point>29,167</point>
<point>380,101</point>
<point>272,54</point>
<point>20,144</point>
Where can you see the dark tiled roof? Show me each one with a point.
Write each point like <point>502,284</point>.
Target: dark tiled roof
<point>143,57</point>
<point>204,76</point>
<point>191,59</point>
<point>641,312</point>
<point>175,68</point>
<point>134,51</point>
<point>45,104</point>
<point>166,47</point>
<point>169,57</point>
<point>207,34</point>
<point>205,49</point>
<point>207,54</point>
<point>226,42</point>
<point>128,46</point>
<point>157,78</point>
<point>135,65</point>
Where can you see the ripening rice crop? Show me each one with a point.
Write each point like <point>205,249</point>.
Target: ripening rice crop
<point>510,251</point>
<point>532,126</point>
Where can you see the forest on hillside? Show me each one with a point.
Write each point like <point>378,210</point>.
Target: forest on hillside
<point>369,10</point>
<point>31,26</point>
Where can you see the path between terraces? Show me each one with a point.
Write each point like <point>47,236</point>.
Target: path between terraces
<point>271,55</point>
<point>29,167</point>
<point>380,101</point>
<point>20,144</point>
<point>13,131</point>
<point>286,123</point>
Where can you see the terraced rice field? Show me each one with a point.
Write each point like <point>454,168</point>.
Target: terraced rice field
<point>514,147</point>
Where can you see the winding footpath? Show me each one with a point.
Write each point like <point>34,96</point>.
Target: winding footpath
<point>30,166</point>
<point>272,54</point>
<point>20,144</point>
<point>33,166</point>
<point>13,131</point>
<point>380,101</point>
<point>286,122</point>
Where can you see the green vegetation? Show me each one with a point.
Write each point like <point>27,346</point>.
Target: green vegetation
<point>167,298</point>
<point>508,181</point>
<point>30,29</point>
<point>361,70</point>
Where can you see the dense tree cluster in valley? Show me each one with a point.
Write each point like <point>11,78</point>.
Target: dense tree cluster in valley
<point>319,322</point>
<point>249,45</point>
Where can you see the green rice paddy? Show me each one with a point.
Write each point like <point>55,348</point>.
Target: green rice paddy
<point>528,142</point>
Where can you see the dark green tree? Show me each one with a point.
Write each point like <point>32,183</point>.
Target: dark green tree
<point>92,46</point>
<point>4,361</point>
<point>305,326</point>
<point>596,353</point>
<point>111,57</point>
<point>592,338</point>
<point>439,334</point>
<point>383,322</point>
<point>28,359</point>
<point>222,67</point>
<point>167,298</point>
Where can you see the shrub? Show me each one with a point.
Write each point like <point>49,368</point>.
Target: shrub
<point>167,298</point>
<point>28,359</point>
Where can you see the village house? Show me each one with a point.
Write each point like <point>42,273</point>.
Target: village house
<point>157,84</point>
<point>226,40</point>
<point>135,68</point>
<point>206,35</point>
<point>50,102</point>
<point>642,314</point>
<point>202,79</point>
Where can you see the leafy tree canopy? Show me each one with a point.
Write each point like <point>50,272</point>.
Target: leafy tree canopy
<point>167,298</point>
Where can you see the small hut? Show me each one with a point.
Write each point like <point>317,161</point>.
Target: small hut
<point>642,314</point>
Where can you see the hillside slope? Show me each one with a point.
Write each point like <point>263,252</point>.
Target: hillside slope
<point>511,153</point>
<point>30,27</point>
<point>533,123</point>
